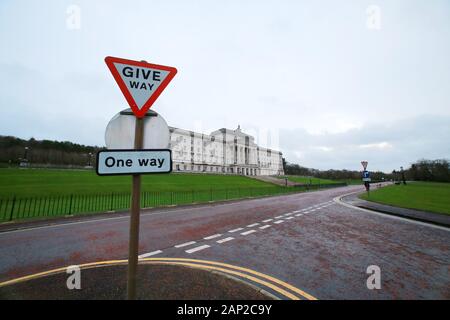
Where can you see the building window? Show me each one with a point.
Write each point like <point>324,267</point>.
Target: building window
<point>178,167</point>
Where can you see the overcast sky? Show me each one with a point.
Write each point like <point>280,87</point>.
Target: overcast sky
<point>330,82</point>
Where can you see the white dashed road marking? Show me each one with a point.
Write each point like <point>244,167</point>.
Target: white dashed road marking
<point>202,247</point>
<point>252,225</point>
<point>197,248</point>
<point>145,255</point>
<point>184,244</point>
<point>248,232</point>
<point>225,240</point>
<point>212,237</point>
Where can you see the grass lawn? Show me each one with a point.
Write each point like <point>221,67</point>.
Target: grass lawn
<point>427,196</point>
<point>36,193</point>
<point>47,182</point>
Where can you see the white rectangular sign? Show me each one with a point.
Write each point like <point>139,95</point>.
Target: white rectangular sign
<point>115,162</point>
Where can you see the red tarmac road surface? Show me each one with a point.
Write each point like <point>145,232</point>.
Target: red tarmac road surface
<point>306,239</point>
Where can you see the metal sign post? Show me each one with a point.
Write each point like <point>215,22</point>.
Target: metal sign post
<point>366,177</point>
<point>136,161</point>
<point>135,213</point>
<point>141,84</point>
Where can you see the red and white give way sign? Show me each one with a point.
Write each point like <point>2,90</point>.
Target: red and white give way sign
<point>364,164</point>
<point>140,82</point>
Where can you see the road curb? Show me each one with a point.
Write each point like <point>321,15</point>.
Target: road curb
<point>245,277</point>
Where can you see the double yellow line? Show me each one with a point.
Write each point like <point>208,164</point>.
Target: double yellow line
<point>283,288</point>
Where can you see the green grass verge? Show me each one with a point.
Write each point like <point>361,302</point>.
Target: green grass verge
<point>47,182</point>
<point>34,193</point>
<point>426,196</point>
<point>43,193</point>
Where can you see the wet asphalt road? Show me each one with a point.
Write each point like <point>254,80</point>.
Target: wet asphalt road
<point>319,246</point>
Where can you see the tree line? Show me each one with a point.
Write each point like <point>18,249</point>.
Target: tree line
<point>14,151</point>
<point>295,169</point>
<point>422,170</point>
<point>428,170</point>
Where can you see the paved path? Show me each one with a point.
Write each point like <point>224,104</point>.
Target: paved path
<point>307,239</point>
<point>275,180</point>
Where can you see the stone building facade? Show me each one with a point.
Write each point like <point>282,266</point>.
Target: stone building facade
<point>223,151</point>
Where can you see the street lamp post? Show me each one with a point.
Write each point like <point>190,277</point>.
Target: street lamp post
<point>90,159</point>
<point>403,175</point>
<point>24,161</point>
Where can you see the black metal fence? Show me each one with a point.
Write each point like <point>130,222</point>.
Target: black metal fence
<point>18,208</point>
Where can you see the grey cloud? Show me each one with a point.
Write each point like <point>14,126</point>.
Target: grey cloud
<point>386,146</point>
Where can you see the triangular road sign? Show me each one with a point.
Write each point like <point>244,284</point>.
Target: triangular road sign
<point>364,164</point>
<point>140,82</point>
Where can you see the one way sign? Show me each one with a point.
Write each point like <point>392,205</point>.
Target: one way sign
<point>140,82</point>
<point>115,162</point>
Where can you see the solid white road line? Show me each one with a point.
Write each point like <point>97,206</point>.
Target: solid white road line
<point>184,244</point>
<point>234,230</point>
<point>248,232</point>
<point>252,225</point>
<point>213,236</point>
<point>265,227</point>
<point>267,220</point>
<point>279,221</point>
<point>225,240</point>
<point>145,255</point>
<point>197,248</point>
